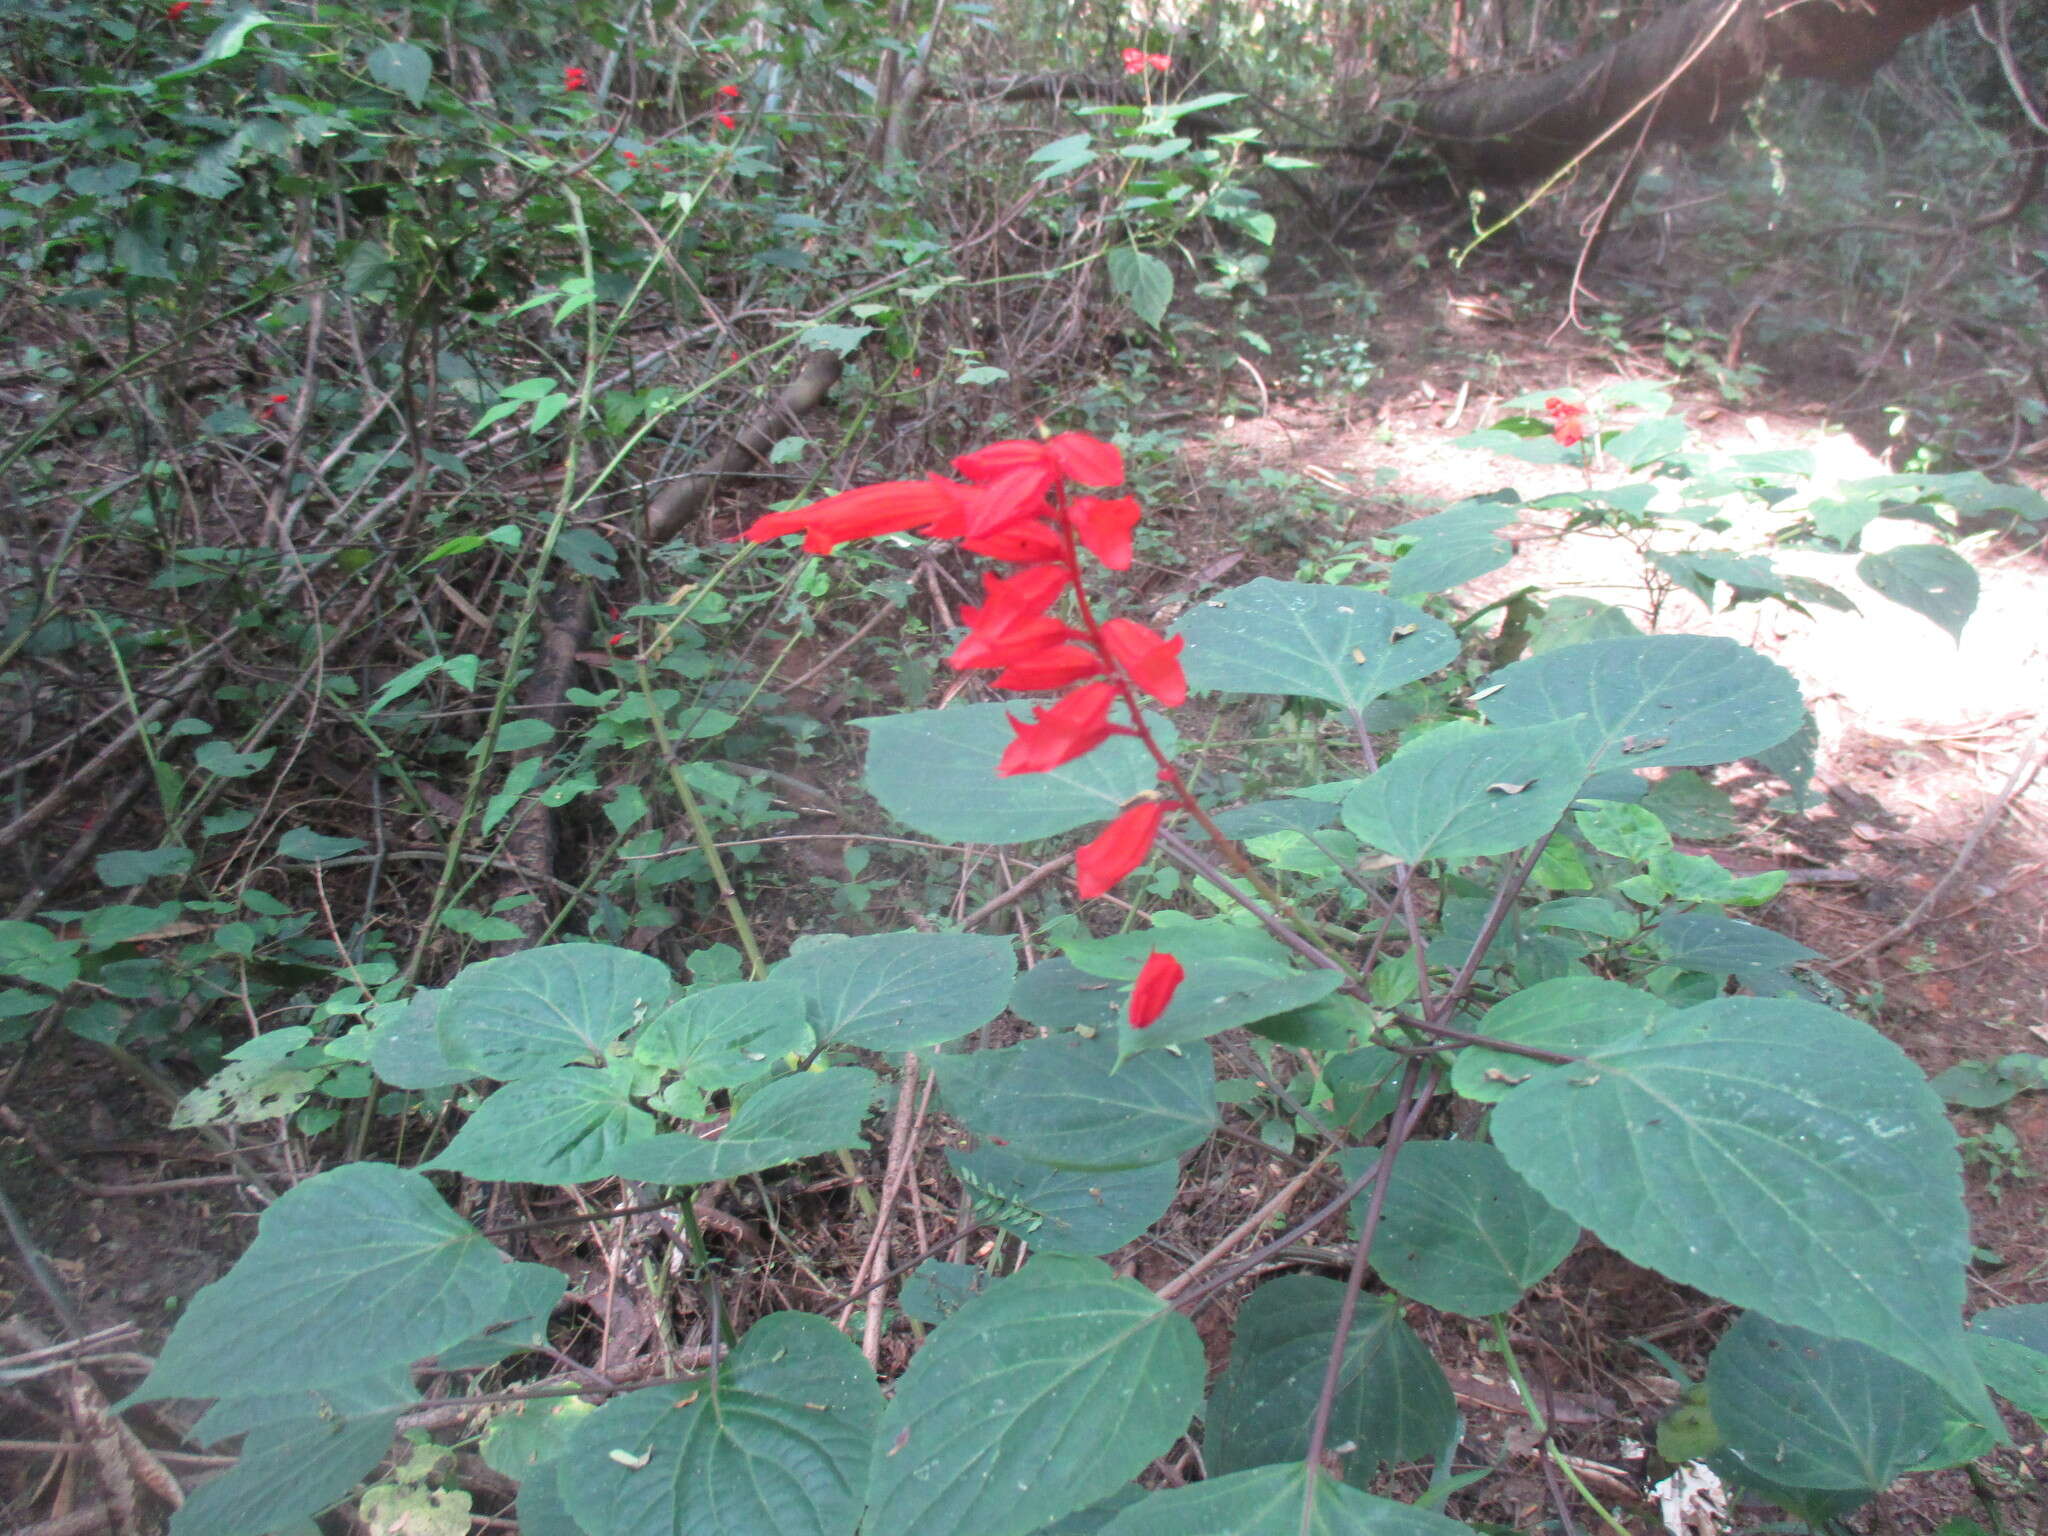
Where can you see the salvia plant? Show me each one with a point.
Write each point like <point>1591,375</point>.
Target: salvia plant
<point>1519,951</point>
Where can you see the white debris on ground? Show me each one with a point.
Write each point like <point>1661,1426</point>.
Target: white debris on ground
<point>1692,1501</point>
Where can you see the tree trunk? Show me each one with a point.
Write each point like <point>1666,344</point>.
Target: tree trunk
<point>1684,76</point>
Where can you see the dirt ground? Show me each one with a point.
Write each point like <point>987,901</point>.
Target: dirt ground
<point>1921,743</point>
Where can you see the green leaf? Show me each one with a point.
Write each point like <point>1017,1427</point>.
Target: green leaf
<point>402,67</point>
<point>1934,581</point>
<point>108,180</point>
<point>1460,1230</point>
<point>1342,644</point>
<point>2010,1346</point>
<point>901,991</point>
<point>544,1008</point>
<point>1049,1391</point>
<point>792,1117</point>
<point>521,1324</point>
<point>288,1473</point>
<point>1658,702</point>
<point>389,1390</point>
<point>32,953</point>
<point>1143,280</point>
<point>217,757</point>
<point>1574,1015</point>
<point>780,1448</point>
<point>139,866</point>
<point>225,42</point>
<point>1268,1501</point>
<point>1456,545</point>
<point>727,1037</point>
<point>405,1047</point>
<point>1808,1411</point>
<point>1464,791</point>
<point>1064,1100</point>
<point>360,1267</point>
<point>934,770</point>
<point>559,1128</point>
<point>1392,1403</point>
<point>1646,442</point>
<point>1061,1211</point>
<point>1727,946</point>
<point>1770,1152</point>
<point>305,843</point>
<point>840,339</point>
<point>1062,156</point>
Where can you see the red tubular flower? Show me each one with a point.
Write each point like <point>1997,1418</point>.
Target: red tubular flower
<point>1134,61</point>
<point>1072,728</point>
<point>630,158</point>
<point>178,10</point>
<point>895,506</point>
<point>1154,988</point>
<point>1011,625</point>
<point>1149,659</point>
<point>1025,544</point>
<point>1568,420</point>
<point>725,120</point>
<point>730,90</point>
<point>1086,460</point>
<point>1569,431</point>
<point>1104,527</point>
<point>1054,668</point>
<point>1159,61</point>
<point>572,78</point>
<point>1013,497</point>
<point>1118,848</point>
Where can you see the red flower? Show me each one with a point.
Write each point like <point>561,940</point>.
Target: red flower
<point>1025,544</point>
<point>725,120</point>
<point>1072,728</point>
<point>895,506</point>
<point>1071,456</point>
<point>619,639</point>
<point>1104,527</point>
<point>1118,848</point>
<point>1159,61</point>
<point>1154,988</point>
<point>1134,61</point>
<point>1054,668</point>
<point>1011,625</point>
<point>1013,497</point>
<point>729,90</point>
<point>178,10</point>
<point>630,158</point>
<point>270,409</point>
<point>1149,659</point>
<point>1568,420</point>
<point>572,78</point>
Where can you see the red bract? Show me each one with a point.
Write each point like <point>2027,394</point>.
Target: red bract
<point>1154,988</point>
<point>1072,728</point>
<point>895,506</point>
<point>1118,848</point>
<point>572,78</point>
<point>1148,659</point>
<point>1104,527</point>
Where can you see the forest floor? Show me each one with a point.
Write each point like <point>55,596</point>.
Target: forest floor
<point>1920,742</point>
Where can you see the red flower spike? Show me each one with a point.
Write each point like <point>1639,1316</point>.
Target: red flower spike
<point>725,120</point>
<point>1118,848</point>
<point>572,78</point>
<point>730,90</point>
<point>1149,659</point>
<point>1104,527</point>
<point>1154,988</point>
<point>895,506</point>
<point>1072,728</point>
<point>1054,668</point>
